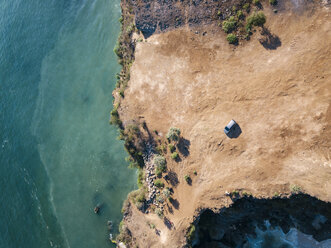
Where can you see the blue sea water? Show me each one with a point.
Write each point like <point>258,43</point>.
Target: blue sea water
<point>59,156</point>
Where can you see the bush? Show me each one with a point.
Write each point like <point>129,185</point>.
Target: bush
<point>161,149</point>
<point>131,28</point>
<point>256,2</point>
<point>158,172</point>
<point>140,205</point>
<point>246,6</point>
<point>296,189</point>
<point>256,19</point>
<point>190,234</point>
<point>195,172</point>
<point>273,2</point>
<point>240,14</point>
<point>160,161</point>
<point>141,196</point>
<point>232,38</point>
<point>114,116</point>
<point>166,192</point>
<point>173,134</point>
<point>229,24</point>
<point>141,177</point>
<point>158,183</point>
<point>187,178</point>
<point>160,199</point>
<point>174,155</point>
<point>172,148</point>
<point>159,212</point>
<point>235,193</point>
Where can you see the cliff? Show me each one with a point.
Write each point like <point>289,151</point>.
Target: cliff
<point>179,70</point>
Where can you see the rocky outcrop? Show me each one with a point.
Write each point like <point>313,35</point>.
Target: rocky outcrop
<point>161,15</point>
<point>230,226</point>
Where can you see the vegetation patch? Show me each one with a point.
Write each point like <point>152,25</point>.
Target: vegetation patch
<point>171,147</point>
<point>140,178</point>
<point>273,2</point>
<point>160,161</point>
<point>158,183</point>
<point>188,179</point>
<point>190,234</point>
<point>138,197</point>
<point>159,212</point>
<point>232,38</point>
<point>166,192</point>
<point>296,189</point>
<point>238,26</point>
<point>173,134</point>
<point>174,155</point>
<point>256,2</point>
<point>256,19</point>
<point>229,25</point>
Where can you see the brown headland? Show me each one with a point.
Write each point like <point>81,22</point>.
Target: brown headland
<point>276,84</point>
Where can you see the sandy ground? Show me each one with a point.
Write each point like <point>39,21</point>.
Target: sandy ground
<point>280,98</point>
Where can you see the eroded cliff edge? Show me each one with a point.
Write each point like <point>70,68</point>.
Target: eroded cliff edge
<point>183,73</point>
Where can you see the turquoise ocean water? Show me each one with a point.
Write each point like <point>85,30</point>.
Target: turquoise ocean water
<point>59,156</point>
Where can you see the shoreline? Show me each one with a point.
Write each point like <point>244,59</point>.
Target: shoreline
<point>137,135</point>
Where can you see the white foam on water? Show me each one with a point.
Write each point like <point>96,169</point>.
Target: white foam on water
<point>276,238</point>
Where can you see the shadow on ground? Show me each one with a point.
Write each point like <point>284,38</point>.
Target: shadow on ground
<point>269,41</point>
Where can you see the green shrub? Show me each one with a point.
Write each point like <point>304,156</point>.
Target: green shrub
<point>172,148</point>
<point>158,183</point>
<point>219,13</point>
<point>190,234</point>
<point>256,2</point>
<point>174,155</point>
<point>246,194</point>
<point>195,172</point>
<point>158,172</point>
<point>117,49</point>
<point>130,28</point>
<point>121,226</point>
<point>114,116</point>
<point>235,193</point>
<point>139,205</point>
<point>159,161</point>
<point>173,134</point>
<point>296,189</point>
<point>256,19</point>
<point>159,212</point>
<point>273,2</point>
<point>166,192</point>
<point>240,14</point>
<point>121,93</point>
<point>139,195</point>
<point>141,177</point>
<point>187,178</point>
<point>232,38</point>
<point>160,199</point>
<point>246,6</point>
<point>229,24</point>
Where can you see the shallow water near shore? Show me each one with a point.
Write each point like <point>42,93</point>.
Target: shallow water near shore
<point>59,155</point>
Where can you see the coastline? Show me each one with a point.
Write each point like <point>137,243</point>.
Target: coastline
<point>141,143</point>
